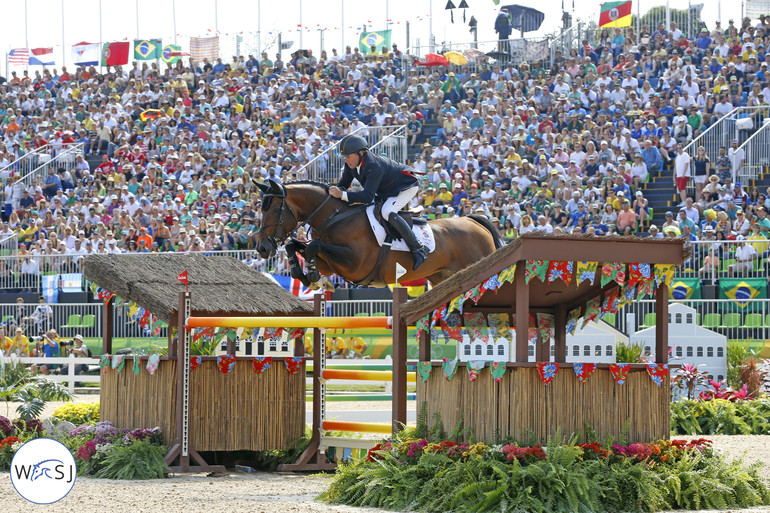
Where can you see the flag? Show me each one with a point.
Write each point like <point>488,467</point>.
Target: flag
<point>183,277</point>
<point>115,54</point>
<point>19,56</point>
<point>147,49</point>
<point>167,53</point>
<point>377,39</point>
<point>41,57</point>
<point>615,14</point>
<point>294,286</point>
<point>204,48</point>
<point>742,291</point>
<point>86,54</point>
<point>685,288</point>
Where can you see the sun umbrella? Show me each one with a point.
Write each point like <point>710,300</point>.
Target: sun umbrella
<point>433,59</point>
<point>474,55</point>
<point>456,58</point>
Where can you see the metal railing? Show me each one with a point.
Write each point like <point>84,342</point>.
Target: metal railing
<point>27,162</point>
<point>479,53</point>
<point>66,158</point>
<point>327,166</point>
<point>757,151</point>
<point>724,130</point>
<point>736,321</point>
<point>9,242</point>
<point>723,263</point>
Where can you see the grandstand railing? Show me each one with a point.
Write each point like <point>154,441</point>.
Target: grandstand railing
<point>695,267</point>
<point>61,159</point>
<point>737,321</point>
<point>327,166</point>
<point>757,151</point>
<point>29,161</point>
<point>10,242</point>
<point>392,143</point>
<point>724,130</point>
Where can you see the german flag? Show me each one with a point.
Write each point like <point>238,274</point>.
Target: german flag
<point>615,14</point>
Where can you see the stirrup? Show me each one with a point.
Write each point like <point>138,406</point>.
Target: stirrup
<point>420,256</point>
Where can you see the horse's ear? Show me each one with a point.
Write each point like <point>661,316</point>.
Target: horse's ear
<point>276,189</point>
<point>262,187</point>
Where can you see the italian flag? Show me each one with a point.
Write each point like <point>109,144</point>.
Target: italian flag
<point>615,14</point>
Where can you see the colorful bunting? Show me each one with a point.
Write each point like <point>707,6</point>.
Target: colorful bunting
<point>572,319</point>
<point>498,370</point>
<point>610,304</point>
<point>195,362</point>
<point>664,273</point>
<point>592,310</point>
<point>613,271</point>
<point>547,371</point>
<point>293,334</point>
<point>449,367</point>
<point>584,370</point>
<point>493,283</point>
<point>474,294</point>
<point>532,330</point>
<point>558,270</point>
<point>152,363</point>
<point>626,296</point>
<point>261,363</point>
<point>293,365</point>
<point>586,271</point>
<point>545,327</point>
<point>535,269</point>
<point>657,372</point>
<point>273,333</point>
<point>423,370</point>
<point>226,363</point>
<point>474,367</point>
<point>499,325</point>
<point>639,273</point>
<point>452,326</point>
<point>137,361</point>
<point>423,324</point>
<point>476,326</point>
<point>619,372</point>
<point>456,305</point>
<point>118,361</point>
<point>507,274</point>
<point>104,363</point>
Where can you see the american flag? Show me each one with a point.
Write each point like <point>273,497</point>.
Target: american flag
<point>19,56</point>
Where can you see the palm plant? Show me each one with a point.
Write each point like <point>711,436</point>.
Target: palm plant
<point>18,385</point>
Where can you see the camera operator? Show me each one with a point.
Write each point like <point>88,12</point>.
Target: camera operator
<point>80,350</point>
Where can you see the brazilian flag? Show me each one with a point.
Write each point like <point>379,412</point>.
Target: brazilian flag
<point>742,290</point>
<point>167,51</point>
<point>684,288</point>
<point>377,39</point>
<point>147,49</point>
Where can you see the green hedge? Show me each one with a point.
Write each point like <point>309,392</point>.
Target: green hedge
<point>721,417</point>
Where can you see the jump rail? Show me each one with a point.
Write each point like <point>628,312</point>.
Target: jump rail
<point>291,322</point>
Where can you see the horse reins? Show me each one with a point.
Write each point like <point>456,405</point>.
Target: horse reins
<point>274,239</point>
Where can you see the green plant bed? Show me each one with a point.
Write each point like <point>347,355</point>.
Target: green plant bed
<point>415,475</point>
<point>721,417</point>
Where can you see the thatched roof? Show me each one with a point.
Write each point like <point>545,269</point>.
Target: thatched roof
<point>219,285</point>
<point>558,247</point>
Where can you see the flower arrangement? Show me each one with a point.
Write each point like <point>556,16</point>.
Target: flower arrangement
<point>6,427</point>
<point>77,413</point>
<point>29,426</point>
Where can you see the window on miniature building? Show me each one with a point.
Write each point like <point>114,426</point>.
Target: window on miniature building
<point>647,350</point>
<point>689,318</point>
<point>678,318</point>
<point>669,318</point>
<point>478,350</point>
<point>710,352</point>
<point>490,350</point>
<point>501,349</point>
<point>678,351</point>
<point>467,351</point>
<point>575,350</point>
<point>531,351</point>
<point>720,352</point>
<point>699,352</point>
<point>689,351</point>
<point>711,377</point>
<point>553,350</point>
<point>597,350</point>
<point>720,377</point>
<point>285,345</point>
<point>608,350</point>
<point>273,344</point>
<point>586,350</point>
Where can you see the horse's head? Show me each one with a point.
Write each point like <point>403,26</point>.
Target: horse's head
<point>278,218</point>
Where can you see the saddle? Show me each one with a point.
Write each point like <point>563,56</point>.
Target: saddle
<point>412,218</point>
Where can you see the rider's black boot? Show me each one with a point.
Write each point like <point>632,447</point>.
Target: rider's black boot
<point>419,251</point>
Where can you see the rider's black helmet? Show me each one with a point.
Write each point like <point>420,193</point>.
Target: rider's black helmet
<point>352,144</point>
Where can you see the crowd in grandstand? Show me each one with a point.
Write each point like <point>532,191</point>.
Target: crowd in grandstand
<point>559,147</point>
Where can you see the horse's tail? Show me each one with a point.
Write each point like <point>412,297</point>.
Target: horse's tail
<point>486,223</point>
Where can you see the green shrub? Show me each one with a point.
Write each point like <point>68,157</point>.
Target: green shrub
<point>140,460</point>
<point>77,413</point>
<point>721,417</point>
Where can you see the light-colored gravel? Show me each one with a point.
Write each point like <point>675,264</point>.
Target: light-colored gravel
<point>262,492</point>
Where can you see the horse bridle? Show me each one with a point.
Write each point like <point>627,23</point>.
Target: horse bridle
<point>274,239</point>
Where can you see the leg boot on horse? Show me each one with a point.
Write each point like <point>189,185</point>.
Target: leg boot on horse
<point>419,251</point>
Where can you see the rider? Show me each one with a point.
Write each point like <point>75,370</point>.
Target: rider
<point>380,177</point>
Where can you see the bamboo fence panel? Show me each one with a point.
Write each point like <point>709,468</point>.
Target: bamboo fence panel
<point>241,410</point>
<point>522,407</point>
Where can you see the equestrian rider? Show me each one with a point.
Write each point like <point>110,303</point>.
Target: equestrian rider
<point>383,178</point>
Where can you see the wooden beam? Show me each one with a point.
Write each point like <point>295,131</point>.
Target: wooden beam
<point>424,342</point>
<point>560,334</point>
<point>522,314</point>
<point>661,324</point>
<point>400,298</point>
<point>108,321</point>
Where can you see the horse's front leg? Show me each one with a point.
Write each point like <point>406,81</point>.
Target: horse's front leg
<point>293,247</point>
<point>329,252</point>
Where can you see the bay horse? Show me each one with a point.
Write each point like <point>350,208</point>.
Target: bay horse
<point>344,244</point>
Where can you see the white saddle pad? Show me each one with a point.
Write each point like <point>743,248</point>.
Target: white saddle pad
<point>423,232</point>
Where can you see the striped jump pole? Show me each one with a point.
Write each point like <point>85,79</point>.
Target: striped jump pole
<point>291,322</point>
<point>363,375</point>
<point>357,427</point>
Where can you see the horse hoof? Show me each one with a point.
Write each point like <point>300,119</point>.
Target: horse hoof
<point>313,276</point>
<point>326,284</point>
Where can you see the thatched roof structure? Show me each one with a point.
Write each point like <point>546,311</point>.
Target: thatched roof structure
<point>540,246</point>
<point>219,285</point>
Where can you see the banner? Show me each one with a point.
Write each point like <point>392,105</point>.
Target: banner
<point>115,54</point>
<point>41,57</point>
<point>167,54</point>
<point>615,14</point>
<point>377,39</point>
<point>86,54</point>
<point>755,8</point>
<point>685,288</point>
<point>204,48</point>
<point>147,49</point>
<point>292,285</point>
<point>742,290</point>
<point>19,56</point>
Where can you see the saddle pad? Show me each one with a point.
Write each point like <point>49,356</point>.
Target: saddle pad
<point>424,234</point>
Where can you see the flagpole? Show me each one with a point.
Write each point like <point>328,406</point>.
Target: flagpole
<point>26,26</point>
<point>137,19</point>
<point>63,46</point>
<point>430,25</point>
<point>342,26</point>
<point>100,35</point>
<point>173,15</point>
<point>216,16</point>
<point>301,47</point>
<point>259,31</point>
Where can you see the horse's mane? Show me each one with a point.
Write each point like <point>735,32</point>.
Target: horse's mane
<point>324,186</point>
